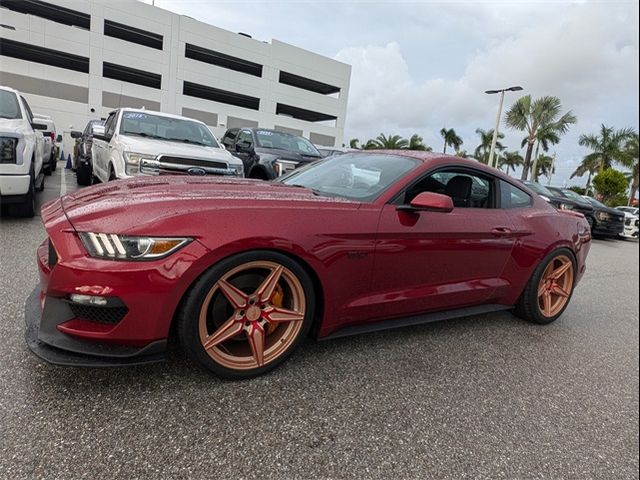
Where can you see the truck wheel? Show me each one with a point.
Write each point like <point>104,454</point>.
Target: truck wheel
<point>83,175</point>
<point>47,169</point>
<point>54,161</point>
<point>26,209</point>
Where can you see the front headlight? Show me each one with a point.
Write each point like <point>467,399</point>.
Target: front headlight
<point>132,162</point>
<point>122,247</point>
<point>238,170</point>
<point>565,206</point>
<point>602,216</point>
<point>284,166</point>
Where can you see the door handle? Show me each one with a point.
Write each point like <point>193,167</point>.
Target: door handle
<point>501,232</point>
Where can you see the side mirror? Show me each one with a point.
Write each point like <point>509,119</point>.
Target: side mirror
<point>75,134</point>
<point>38,126</point>
<point>429,202</point>
<point>244,147</point>
<point>98,131</point>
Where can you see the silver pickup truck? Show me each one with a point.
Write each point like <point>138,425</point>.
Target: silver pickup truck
<point>142,142</point>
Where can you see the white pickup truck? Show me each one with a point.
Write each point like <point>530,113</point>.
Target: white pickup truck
<point>21,145</point>
<point>142,142</point>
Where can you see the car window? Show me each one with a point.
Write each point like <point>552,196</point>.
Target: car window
<point>229,138</point>
<point>27,109</point>
<point>110,124</point>
<point>512,197</point>
<point>467,189</point>
<point>9,107</point>
<point>245,138</point>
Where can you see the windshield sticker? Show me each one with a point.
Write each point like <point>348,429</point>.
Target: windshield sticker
<point>134,115</point>
<point>264,132</point>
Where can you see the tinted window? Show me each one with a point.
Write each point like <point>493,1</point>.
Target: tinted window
<point>286,141</point>
<point>9,107</point>
<point>229,138</point>
<point>27,109</point>
<point>355,176</point>
<point>466,189</point>
<point>512,197</point>
<point>110,125</point>
<point>245,138</point>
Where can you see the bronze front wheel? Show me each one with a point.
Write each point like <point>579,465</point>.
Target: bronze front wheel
<point>247,314</point>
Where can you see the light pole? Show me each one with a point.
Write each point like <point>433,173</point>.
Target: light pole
<point>495,130</point>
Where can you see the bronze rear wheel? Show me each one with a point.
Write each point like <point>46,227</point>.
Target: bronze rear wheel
<point>554,288</point>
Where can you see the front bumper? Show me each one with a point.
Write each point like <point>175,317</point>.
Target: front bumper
<point>608,228</point>
<point>74,352</point>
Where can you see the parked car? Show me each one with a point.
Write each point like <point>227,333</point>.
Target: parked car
<point>331,151</point>
<point>631,210</point>
<point>143,142</point>
<point>554,199</point>
<point>267,154</point>
<point>21,145</point>
<point>630,226</point>
<point>581,205</point>
<point>82,152</point>
<point>609,222</point>
<point>49,151</point>
<point>242,270</point>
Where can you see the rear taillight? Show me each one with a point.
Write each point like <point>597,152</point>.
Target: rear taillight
<point>53,136</point>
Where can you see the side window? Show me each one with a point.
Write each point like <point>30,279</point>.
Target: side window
<point>28,109</point>
<point>245,138</point>
<point>110,125</point>
<point>512,197</point>
<point>229,138</point>
<point>467,189</point>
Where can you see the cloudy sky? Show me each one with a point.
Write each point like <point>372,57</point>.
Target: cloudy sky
<point>422,65</point>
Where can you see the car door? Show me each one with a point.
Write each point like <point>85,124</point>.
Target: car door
<point>100,148</point>
<point>429,261</point>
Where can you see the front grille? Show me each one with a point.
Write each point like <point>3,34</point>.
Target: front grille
<point>53,255</point>
<point>191,162</point>
<point>107,315</point>
<point>8,150</point>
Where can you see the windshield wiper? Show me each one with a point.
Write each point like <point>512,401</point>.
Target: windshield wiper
<point>317,193</point>
<point>186,140</point>
<point>145,135</point>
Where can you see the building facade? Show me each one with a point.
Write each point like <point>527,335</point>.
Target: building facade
<point>78,60</point>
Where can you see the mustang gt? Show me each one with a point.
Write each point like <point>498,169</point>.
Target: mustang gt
<point>239,272</point>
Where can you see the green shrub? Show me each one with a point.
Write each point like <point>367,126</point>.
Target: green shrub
<point>610,184</point>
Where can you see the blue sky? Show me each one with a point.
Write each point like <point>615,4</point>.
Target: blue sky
<point>419,66</point>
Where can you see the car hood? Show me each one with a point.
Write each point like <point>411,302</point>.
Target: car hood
<point>126,206</point>
<point>153,147</point>
<point>11,125</point>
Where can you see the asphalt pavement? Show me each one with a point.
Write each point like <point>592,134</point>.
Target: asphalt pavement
<point>482,397</point>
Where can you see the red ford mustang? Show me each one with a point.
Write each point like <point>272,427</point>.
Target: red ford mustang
<point>240,271</point>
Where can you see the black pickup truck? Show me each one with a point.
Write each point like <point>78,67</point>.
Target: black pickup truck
<point>267,154</point>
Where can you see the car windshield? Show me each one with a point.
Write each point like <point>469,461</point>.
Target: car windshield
<point>286,141</point>
<point>166,128</point>
<point>572,195</point>
<point>9,107</point>
<point>539,189</point>
<point>631,210</point>
<point>595,202</point>
<point>356,176</point>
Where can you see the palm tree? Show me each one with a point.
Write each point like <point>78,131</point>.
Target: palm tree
<point>370,145</point>
<point>510,160</point>
<point>451,139</point>
<point>353,143</point>
<point>544,166</point>
<point>482,151</point>
<point>608,146</point>
<point>589,165</point>
<point>545,136</point>
<point>531,115</point>
<point>392,142</point>
<point>416,143</point>
<point>631,162</point>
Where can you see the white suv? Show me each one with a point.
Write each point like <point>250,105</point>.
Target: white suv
<point>21,147</point>
<point>142,142</point>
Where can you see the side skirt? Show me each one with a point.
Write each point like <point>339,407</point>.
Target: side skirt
<point>416,320</point>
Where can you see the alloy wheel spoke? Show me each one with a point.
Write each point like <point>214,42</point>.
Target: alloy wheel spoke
<point>542,288</point>
<point>236,297</point>
<point>546,302</point>
<point>279,315</point>
<point>558,290</point>
<point>266,289</point>
<point>255,336</point>
<point>558,272</point>
<point>228,329</point>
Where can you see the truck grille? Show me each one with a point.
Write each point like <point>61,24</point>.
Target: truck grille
<point>166,165</point>
<point>8,150</point>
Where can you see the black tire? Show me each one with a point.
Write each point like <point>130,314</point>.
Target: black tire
<point>46,169</point>
<point>528,306</point>
<point>83,175</point>
<point>259,174</point>
<point>26,209</point>
<point>112,174</point>
<point>54,161</point>
<point>188,316</point>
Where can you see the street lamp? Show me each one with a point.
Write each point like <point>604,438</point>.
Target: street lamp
<point>495,130</point>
